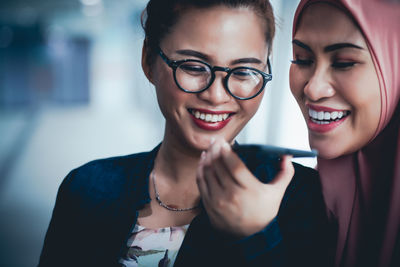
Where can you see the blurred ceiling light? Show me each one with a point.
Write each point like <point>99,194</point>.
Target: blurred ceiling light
<point>90,2</point>
<point>91,11</point>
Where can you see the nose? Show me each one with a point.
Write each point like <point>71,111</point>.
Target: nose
<point>319,85</point>
<point>216,94</point>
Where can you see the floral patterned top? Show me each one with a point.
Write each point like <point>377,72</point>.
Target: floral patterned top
<point>153,247</point>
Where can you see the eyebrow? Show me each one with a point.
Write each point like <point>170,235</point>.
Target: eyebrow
<point>246,60</point>
<point>334,47</point>
<point>302,45</point>
<point>188,52</point>
<point>328,48</point>
<point>192,53</point>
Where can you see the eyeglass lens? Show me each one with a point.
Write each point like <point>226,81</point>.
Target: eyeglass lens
<point>195,76</point>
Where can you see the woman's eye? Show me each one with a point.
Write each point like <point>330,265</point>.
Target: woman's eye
<point>244,74</point>
<point>302,62</point>
<point>342,65</point>
<point>193,68</point>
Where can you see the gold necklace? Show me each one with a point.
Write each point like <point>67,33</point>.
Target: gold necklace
<point>162,204</point>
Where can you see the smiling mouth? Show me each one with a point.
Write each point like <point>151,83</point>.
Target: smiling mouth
<point>324,117</point>
<point>210,117</point>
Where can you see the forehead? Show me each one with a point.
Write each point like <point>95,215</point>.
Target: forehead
<point>217,30</point>
<point>327,24</point>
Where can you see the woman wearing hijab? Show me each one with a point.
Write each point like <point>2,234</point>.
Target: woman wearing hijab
<point>345,77</point>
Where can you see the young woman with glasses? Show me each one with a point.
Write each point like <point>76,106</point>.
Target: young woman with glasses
<point>191,201</point>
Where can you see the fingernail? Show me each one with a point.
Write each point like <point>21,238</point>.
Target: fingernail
<point>226,146</point>
<point>203,155</point>
<point>212,140</point>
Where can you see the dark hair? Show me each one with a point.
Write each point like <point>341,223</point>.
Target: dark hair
<point>161,15</point>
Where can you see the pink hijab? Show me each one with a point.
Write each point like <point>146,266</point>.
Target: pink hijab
<point>362,190</point>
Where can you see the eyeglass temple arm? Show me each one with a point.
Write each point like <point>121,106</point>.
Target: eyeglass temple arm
<point>269,66</point>
<point>164,57</point>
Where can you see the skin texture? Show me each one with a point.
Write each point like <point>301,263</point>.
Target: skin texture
<point>342,79</point>
<point>227,37</point>
<point>233,197</point>
<point>193,32</point>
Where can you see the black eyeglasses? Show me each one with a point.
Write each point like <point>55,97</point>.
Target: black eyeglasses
<point>196,76</point>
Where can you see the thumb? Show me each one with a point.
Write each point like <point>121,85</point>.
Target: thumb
<point>286,173</point>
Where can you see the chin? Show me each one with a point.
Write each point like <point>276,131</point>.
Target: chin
<point>327,155</point>
<point>326,151</point>
<point>331,149</point>
<point>201,143</point>
<point>331,152</point>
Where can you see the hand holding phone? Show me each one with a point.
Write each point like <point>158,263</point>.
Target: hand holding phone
<point>236,200</point>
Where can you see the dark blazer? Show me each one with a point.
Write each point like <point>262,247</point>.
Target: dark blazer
<point>97,207</point>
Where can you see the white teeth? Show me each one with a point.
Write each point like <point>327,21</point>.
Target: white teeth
<point>314,114</point>
<point>322,116</point>
<point>210,117</point>
<point>320,122</point>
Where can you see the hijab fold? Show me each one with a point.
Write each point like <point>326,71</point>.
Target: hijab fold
<point>362,190</point>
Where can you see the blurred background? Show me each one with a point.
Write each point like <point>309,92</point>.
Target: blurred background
<point>72,90</point>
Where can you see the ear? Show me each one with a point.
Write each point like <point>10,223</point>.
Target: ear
<point>146,66</point>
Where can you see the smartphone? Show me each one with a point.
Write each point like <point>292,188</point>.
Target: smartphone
<point>273,151</point>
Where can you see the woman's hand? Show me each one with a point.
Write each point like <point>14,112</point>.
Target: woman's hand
<point>236,201</point>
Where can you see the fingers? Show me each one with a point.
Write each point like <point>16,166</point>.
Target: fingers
<point>237,169</point>
<point>201,184</point>
<point>215,162</point>
<point>206,178</point>
<point>285,175</point>
<point>223,175</point>
<point>225,167</point>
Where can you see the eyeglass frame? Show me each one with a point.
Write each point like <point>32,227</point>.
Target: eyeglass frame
<point>174,64</point>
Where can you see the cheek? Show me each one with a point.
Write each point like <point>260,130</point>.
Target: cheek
<point>247,109</point>
<point>168,95</point>
<point>251,106</point>
<point>363,94</point>
<point>371,104</point>
<point>295,81</point>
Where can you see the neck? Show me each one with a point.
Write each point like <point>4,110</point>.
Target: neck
<point>176,163</point>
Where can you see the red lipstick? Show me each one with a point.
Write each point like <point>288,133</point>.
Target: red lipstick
<point>321,108</point>
<point>323,126</point>
<point>210,126</point>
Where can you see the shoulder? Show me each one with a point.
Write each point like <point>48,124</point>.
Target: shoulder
<point>106,177</point>
<point>111,167</point>
<point>304,193</point>
<point>305,176</point>
<point>304,169</point>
